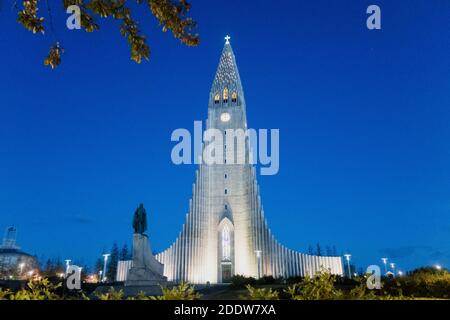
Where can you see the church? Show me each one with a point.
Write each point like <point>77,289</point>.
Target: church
<point>225,232</point>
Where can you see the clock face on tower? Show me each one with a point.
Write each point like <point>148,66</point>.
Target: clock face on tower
<point>225,117</point>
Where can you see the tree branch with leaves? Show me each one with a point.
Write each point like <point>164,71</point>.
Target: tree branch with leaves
<point>172,16</point>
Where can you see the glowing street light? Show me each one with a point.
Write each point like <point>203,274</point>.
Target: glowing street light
<point>258,256</point>
<point>400,273</point>
<point>105,257</point>
<point>393,267</point>
<point>438,267</point>
<point>347,257</point>
<point>385,260</point>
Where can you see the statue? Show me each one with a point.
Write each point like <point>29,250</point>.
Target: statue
<point>146,273</point>
<point>140,220</point>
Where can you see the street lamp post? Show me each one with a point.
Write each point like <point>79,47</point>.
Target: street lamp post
<point>393,268</point>
<point>258,256</point>
<point>385,264</point>
<point>105,257</point>
<point>347,257</point>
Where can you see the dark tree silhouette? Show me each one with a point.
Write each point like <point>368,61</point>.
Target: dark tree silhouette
<point>112,264</point>
<point>98,265</point>
<point>124,253</point>
<point>318,250</point>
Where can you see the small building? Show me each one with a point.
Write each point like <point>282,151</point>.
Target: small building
<point>15,263</point>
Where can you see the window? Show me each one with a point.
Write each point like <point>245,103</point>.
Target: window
<point>226,176</point>
<point>226,191</point>
<point>234,96</point>
<point>216,98</point>
<point>226,207</point>
<point>226,243</point>
<point>225,95</point>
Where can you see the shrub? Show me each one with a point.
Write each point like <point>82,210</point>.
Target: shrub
<point>319,287</point>
<point>391,289</point>
<point>260,294</point>
<point>361,292</point>
<point>112,294</point>
<point>266,280</point>
<point>240,281</point>
<point>41,289</point>
<point>184,291</point>
<point>426,282</point>
<point>140,296</point>
<point>4,294</point>
<point>293,280</point>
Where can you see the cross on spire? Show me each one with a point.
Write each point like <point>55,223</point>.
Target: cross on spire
<point>227,39</point>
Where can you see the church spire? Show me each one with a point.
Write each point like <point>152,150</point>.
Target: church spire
<point>227,82</point>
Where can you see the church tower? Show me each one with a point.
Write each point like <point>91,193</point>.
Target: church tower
<point>225,232</point>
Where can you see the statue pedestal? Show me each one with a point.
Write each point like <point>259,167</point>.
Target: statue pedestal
<point>146,274</point>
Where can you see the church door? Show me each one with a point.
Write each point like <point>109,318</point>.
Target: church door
<point>226,272</point>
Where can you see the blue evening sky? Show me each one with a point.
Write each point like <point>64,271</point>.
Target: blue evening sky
<point>364,119</point>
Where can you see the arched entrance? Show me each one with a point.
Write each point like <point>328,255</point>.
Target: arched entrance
<point>225,250</point>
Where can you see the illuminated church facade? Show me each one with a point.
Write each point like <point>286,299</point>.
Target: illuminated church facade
<point>225,232</point>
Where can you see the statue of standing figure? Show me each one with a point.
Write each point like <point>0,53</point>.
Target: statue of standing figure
<point>140,220</point>
<point>146,273</point>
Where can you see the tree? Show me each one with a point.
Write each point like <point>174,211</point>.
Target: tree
<point>49,268</point>
<point>360,271</point>
<point>98,265</point>
<point>171,15</point>
<point>53,267</point>
<point>85,272</point>
<point>310,250</point>
<point>318,250</point>
<point>59,266</point>
<point>112,265</point>
<point>334,251</point>
<point>124,253</point>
